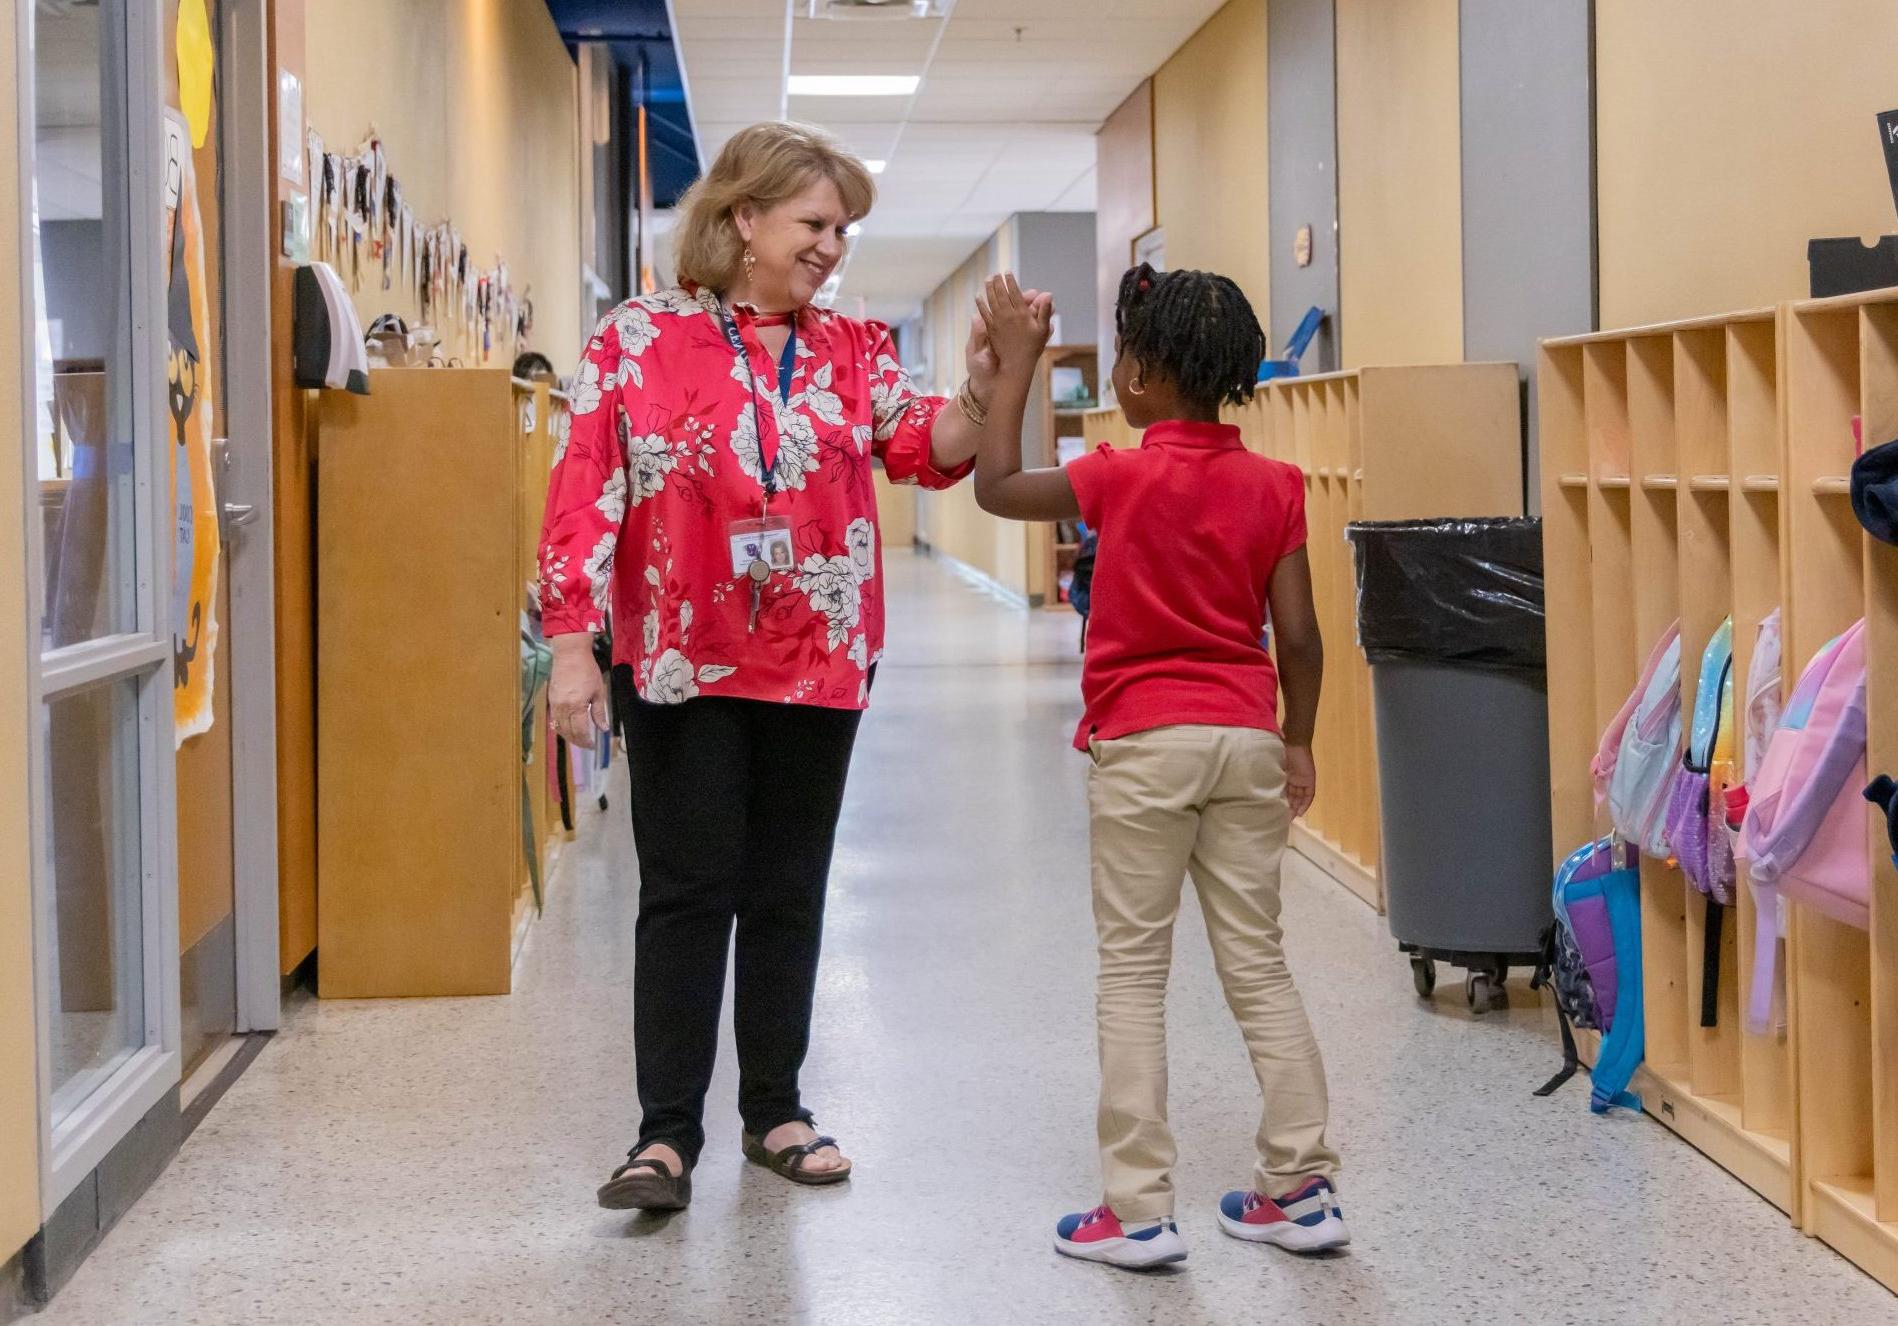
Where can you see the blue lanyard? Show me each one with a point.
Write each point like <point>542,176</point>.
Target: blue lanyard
<point>787,369</point>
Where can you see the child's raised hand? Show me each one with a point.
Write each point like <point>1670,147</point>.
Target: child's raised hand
<point>1017,321</point>
<point>1301,779</point>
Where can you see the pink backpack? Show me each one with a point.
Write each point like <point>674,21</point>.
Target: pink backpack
<point>1806,837</point>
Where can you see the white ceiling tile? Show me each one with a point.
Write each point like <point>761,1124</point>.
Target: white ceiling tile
<point>1004,120</point>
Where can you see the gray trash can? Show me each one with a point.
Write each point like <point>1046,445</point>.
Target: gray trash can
<point>1450,618</point>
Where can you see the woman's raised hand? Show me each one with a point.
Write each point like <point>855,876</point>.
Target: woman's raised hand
<point>1015,322</point>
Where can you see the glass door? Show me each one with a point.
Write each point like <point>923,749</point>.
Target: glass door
<point>105,906</point>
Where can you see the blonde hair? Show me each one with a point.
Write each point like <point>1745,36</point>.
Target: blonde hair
<point>763,165</point>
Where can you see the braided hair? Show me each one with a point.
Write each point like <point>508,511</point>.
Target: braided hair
<point>1196,328</point>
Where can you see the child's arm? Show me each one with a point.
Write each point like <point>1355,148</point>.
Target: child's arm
<point>1016,329</point>
<point>1301,658</point>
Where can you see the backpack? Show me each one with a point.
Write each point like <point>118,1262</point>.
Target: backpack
<point>1761,719</point>
<point>1592,961</point>
<point>1805,831</point>
<point>1635,764</point>
<point>1697,805</point>
<point>1696,811</point>
<point>1883,793</point>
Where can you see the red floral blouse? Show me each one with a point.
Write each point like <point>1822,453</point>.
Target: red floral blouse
<point>662,458</point>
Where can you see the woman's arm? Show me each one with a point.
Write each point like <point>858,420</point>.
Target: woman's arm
<point>586,498</point>
<point>1301,665</point>
<point>1015,327</point>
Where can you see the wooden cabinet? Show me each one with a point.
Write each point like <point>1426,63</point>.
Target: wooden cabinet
<point>428,496</point>
<point>1660,501</point>
<point>1053,418</point>
<point>1696,470</point>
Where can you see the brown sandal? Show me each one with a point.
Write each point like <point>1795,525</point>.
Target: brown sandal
<point>790,1161</point>
<point>644,1183</point>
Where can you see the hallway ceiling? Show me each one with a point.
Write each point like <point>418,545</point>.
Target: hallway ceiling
<point>1012,92</point>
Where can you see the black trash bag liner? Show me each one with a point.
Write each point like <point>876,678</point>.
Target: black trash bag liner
<point>1464,592</point>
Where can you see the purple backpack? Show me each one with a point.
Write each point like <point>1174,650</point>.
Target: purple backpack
<point>1592,961</point>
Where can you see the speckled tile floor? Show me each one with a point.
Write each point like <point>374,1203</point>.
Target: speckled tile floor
<point>434,1161</point>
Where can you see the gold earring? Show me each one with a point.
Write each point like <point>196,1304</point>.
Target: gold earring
<point>751,263</point>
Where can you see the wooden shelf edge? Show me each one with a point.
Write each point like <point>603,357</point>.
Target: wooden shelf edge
<point>1713,1128</point>
<point>1360,882</point>
<point>1832,485</point>
<point>1844,1218</point>
<point>1662,328</point>
<point>1710,483</point>
<point>1618,483</point>
<point>1660,482</point>
<point>1572,480</point>
<point>1760,483</point>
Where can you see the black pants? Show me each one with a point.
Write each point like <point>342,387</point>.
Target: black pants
<point>735,806</point>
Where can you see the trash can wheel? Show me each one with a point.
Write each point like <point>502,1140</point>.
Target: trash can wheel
<point>1486,991</point>
<point>1423,973</point>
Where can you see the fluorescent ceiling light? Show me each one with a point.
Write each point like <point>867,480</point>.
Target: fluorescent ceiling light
<point>853,85</point>
<point>875,166</point>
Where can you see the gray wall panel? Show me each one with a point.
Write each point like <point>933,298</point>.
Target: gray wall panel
<point>1057,254</point>
<point>1302,165</point>
<point>1528,180</point>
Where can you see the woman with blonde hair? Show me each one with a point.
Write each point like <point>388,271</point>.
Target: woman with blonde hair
<point>716,495</point>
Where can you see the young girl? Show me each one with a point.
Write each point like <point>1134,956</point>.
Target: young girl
<point>1201,543</point>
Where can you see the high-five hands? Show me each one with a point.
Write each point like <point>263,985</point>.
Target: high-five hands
<point>1012,325</point>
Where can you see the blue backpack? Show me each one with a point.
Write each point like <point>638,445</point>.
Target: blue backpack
<point>1592,961</point>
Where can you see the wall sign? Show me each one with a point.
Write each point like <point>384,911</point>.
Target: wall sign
<point>290,126</point>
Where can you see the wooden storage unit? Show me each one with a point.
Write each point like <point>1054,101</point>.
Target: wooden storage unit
<point>1660,501</point>
<point>428,500</point>
<point>1378,444</point>
<point>1107,424</point>
<point>1840,361</point>
<point>1052,547</point>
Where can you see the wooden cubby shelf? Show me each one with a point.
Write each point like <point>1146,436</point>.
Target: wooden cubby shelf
<point>1623,563</point>
<point>1841,362</point>
<point>1759,409</point>
<point>1378,444</point>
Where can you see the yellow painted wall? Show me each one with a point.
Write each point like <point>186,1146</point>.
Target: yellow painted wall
<point>1123,207</point>
<point>1400,181</point>
<point>19,1082</point>
<point>1730,132</point>
<point>951,522</point>
<point>475,103</point>
<point>1209,163</point>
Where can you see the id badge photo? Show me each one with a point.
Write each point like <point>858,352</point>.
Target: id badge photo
<point>761,548</point>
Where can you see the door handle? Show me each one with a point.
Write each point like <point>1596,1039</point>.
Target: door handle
<point>239,514</point>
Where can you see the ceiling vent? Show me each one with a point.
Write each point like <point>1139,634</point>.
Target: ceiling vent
<point>878,10</point>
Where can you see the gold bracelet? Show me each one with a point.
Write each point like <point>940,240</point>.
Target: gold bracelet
<point>972,409</point>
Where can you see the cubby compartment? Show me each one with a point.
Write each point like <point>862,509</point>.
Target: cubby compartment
<point>1666,424</point>
<point>1841,366</point>
<point>1379,443</point>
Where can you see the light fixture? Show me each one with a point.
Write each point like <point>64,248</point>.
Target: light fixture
<point>875,165</point>
<point>853,85</point>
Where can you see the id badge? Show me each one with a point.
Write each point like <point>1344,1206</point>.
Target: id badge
<point>761,548</point>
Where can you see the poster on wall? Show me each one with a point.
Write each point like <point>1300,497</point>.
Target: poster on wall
<point>194,567</point>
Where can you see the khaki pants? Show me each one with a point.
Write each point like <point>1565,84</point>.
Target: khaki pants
<point>1209,801</point>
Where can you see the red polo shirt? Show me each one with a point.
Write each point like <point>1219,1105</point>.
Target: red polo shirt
<point>1190,526</point>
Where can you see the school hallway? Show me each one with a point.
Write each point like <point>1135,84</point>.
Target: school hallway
<point>435,1160</point>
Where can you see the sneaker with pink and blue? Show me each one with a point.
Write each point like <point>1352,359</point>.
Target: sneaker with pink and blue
<point>1308,1219</point>
<point>1099,1236</point>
